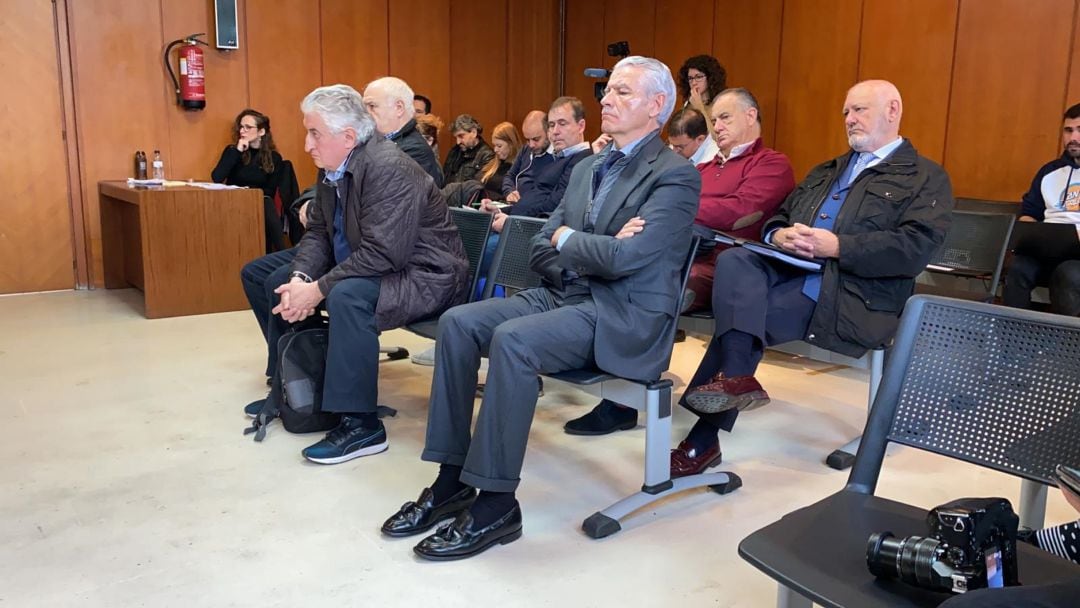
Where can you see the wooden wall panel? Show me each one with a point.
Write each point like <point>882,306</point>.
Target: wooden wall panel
<point>818,64</point>
<point>683,29</point>
<point>355,47</point>
<point>419,44</point>
<point>119,91</point>
<point>1072,92</point>
<point>888,28</point>
<point>1002,129</point>
<point>284,65</point>
<point>36,234</point>
<point>585,48</point>
<point>479,83</point>
<point>197,138</point>
<point>747,41</point>
<point>532,57</point>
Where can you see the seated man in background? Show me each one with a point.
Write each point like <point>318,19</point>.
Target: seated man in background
<point>421,105</point>
<point>741,186</point>
<point>380,249</point>
<point>467,159</point>
<point>531,161</point>
<point>1054,198</point>
<point>623,228</point>
<point>566,130</point>
<point>689,137</point>
<point>874,216</point>
<point>389,101</point>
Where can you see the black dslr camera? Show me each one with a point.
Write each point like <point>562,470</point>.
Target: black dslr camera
<point>971,545</point>
<point>618,49</point>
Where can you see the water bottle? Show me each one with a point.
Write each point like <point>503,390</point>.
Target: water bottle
<point>140,164</point>
<point>159,166</point>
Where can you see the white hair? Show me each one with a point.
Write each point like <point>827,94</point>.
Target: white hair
<point>658,81</point>
<point>340,107</point>
<point>395,90</point>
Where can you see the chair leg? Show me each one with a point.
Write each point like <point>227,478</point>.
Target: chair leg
<point>1032,508</point>
<point>788,598</point>
<point>843,457</point>
<point>658,482</point>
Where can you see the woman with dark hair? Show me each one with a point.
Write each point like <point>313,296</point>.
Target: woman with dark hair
<point>253,162</point>
<point>506,143</point>
<point>701,79</point>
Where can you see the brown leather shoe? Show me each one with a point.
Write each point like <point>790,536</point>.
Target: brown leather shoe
<point>722,394</point>
<point>686,461</point>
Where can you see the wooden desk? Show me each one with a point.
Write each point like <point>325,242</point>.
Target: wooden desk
<point>182,247</point>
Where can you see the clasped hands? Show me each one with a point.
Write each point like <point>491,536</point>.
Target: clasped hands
<point>802,240</point>
<point>298,300</point>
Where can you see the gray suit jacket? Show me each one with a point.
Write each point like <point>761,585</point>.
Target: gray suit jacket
<point>635,281</point>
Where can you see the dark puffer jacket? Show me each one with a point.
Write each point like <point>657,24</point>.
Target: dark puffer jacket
<point>896,216</point>
<point>398,227</point>
<point>413,144</point>
<point>462,165</point>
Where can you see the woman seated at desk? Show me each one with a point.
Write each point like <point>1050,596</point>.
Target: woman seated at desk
<point>253,162</point>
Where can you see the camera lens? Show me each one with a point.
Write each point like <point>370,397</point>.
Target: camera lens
<point>912,559</point>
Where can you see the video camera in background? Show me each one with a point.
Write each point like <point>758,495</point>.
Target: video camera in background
<point>618,49</point>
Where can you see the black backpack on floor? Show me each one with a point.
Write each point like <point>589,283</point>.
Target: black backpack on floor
<point>296,388</point>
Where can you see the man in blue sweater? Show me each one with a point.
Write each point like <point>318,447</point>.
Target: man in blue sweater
<point>534,157</point>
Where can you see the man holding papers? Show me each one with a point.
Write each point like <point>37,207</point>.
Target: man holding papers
<point>875,215</point>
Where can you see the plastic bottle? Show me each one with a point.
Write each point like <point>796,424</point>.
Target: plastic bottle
<point>159,166</point>
<point>140,164</point>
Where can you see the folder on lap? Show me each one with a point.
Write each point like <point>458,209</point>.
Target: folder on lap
<point>770,251</point>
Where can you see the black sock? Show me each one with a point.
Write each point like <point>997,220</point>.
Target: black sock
<point>703,436</point>
<point>490,506</point>
<point>447,483</point>
<point>368,420</point>
<point>740,353</point>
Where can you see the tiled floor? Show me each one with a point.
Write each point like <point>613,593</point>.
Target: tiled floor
<point>125,480</point>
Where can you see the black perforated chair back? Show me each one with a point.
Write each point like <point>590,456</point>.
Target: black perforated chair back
<point>474,226</point>
<point>510,264</point>
<point>990,385</point>
<point>976,244</point>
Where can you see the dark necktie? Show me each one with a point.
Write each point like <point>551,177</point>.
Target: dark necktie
<point>609,162</point>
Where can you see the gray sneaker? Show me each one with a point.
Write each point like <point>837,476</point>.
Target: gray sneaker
<point>425,358</point>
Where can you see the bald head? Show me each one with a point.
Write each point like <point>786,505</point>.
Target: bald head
<point>389,100</point>
<point>872,113</point>
<point>534,129</point>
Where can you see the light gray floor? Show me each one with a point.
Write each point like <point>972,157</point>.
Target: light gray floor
<point>125,480</point>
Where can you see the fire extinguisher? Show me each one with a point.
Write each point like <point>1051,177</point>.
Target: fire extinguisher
<point>191,88</point>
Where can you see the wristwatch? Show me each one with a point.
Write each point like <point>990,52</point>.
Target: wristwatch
<point>296,274</point>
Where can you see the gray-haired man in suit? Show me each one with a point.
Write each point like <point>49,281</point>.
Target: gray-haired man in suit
<point>610,257</point>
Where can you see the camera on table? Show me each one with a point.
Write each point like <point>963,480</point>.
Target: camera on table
<point>618,49</point>
<point>971,544</point>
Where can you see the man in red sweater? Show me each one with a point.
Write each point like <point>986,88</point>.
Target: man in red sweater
<point>740,188</point>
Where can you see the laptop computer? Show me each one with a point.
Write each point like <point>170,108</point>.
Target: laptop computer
<point>1047,241</point>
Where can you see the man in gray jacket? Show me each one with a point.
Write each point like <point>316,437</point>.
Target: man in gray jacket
<point>610,257</point>
<point>380,249</point>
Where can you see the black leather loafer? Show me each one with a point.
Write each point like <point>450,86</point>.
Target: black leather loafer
<point>460,540</point>
<point>420,516</point>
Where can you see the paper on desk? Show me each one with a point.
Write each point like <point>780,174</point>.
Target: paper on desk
<point>131,181</point>
<point>212,186</point>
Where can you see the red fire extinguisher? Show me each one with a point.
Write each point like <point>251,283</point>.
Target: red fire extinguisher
<point>191,88</point>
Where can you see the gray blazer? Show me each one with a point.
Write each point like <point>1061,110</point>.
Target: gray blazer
<point>635,281</point>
